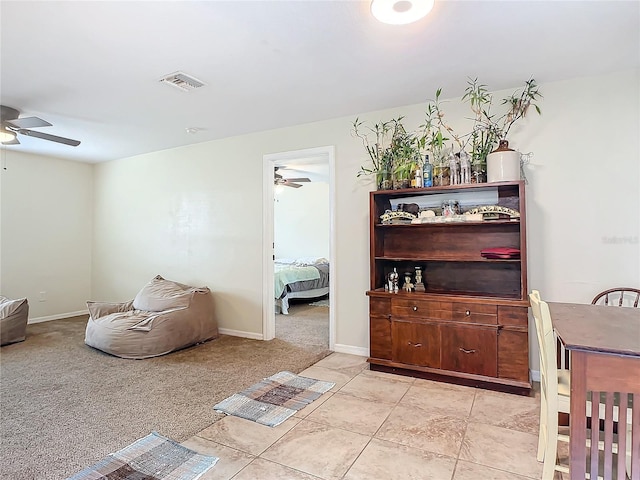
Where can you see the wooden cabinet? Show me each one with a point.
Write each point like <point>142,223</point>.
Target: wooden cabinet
<point>470,325</point>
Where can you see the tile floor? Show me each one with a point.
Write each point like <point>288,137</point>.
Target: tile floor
<point>377,426</point>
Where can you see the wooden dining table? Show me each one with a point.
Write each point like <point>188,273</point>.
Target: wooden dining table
<point>604,344</point>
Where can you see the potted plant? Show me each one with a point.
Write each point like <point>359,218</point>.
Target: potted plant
<point>434,132</point>
<point>405,153</point>
<point>502,163</point>
<point>377,142</point>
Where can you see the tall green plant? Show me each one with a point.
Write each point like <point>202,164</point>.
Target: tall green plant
<point>377,142</point>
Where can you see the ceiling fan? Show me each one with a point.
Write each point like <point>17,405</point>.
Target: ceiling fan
<point>288,182</point>
<point>11,125</point>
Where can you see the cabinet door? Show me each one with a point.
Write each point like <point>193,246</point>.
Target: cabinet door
<point>513,355</point>
<point>416,343</point>
<point>470,349</point>
<point>380,338</point>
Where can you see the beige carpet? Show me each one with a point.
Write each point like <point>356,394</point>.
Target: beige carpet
<point>64,405</point>
<point>304,325</point>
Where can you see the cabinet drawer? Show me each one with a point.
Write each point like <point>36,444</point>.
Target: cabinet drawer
<point>379,306</point>
<point>470,349</point>
<point>416,343</point>
<point>417,308</point>
<point>517,316</point>
<point>475,313</point>
<point>380,338</point>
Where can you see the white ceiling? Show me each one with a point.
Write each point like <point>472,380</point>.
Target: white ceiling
<point>92,69</point>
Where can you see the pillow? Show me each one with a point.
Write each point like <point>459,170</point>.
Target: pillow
<point>160,294</point>
<point>303,261</point>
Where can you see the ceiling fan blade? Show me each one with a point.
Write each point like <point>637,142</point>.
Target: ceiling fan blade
<point>51,138</point>
<point>28,122</point>
<point>294,185</point>
<point>301,179</point>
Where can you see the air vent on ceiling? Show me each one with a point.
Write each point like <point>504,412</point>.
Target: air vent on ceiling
<point>182,81</point>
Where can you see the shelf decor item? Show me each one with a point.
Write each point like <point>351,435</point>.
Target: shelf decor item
<point>503,164</point>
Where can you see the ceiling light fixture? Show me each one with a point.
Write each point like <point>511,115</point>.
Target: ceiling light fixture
<point>6,135</point>
<point>400,12</point>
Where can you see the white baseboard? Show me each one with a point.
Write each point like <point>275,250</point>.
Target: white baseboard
<point>58,316</point>
<point>535,375</point>
<point>240,333</point>
<point>351,350</point>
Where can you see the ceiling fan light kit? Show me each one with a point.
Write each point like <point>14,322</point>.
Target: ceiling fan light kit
<point>400,12</point>
<point>11,125</point>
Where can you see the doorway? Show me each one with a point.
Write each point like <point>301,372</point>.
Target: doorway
<point>306,162</point>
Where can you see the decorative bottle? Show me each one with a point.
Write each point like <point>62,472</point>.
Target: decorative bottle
<point>419,181</point>
<point>427,172</point>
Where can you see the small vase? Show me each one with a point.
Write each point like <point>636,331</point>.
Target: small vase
<point>383,179</point>
<point>503,164</point>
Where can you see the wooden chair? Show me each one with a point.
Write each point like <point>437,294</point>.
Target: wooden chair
<point>619,296</point>
<point>554,390</point>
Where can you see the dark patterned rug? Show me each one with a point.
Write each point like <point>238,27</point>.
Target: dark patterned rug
<point>153,457</point>
<point>274,399</point>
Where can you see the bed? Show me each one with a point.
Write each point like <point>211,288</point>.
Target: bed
<point>306,277</point>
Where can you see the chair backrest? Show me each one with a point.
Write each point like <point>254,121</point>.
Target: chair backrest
<point>619,297</point>
<point>547,344</point>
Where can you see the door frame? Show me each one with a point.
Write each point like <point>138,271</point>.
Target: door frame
<point>270,161</point>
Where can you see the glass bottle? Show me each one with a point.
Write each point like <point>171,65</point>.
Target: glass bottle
<point>427,172</point>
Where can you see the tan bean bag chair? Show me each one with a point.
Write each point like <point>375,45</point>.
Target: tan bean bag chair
<point>163,317</point>
<point>13,320</point>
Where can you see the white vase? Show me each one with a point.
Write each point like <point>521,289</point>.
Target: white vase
<point>503,164</point>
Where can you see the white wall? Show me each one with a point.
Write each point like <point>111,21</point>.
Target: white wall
<point>181,213</point>
<point>301,221</point>
<point>194,213</point>
<point>47,228</point>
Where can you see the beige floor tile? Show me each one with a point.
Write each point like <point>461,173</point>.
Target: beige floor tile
<point>303,413</point>
<point>245,435</point>
<point>377,389</point>
<point>390,461</point>
<point>317,449</point>
<point>261,469</point>
<point>389,376</point>
<point>352,413</point>
<point>339,377</point>
<point>501,448</point>
<point>341,361</point>
<point>441,398</point>
<point>230,461</point>
<point>515,412</point>
<point>428,431</point>
<point>473,471</point>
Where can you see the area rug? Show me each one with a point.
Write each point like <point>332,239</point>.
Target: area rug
<point>274,399</point>
<point>153,457</point>
<point>320,303</point>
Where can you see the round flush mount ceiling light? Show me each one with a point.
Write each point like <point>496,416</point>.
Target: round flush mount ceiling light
<point>400,12</point>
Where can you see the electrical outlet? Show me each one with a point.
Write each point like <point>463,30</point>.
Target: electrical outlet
<point>43,296</point>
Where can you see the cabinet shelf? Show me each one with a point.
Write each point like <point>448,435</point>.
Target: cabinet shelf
<point>515,222</point>
<point>448,259</point>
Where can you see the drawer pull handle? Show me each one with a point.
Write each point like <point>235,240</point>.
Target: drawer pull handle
<point>467,313</point>
<point>464,350</point>
<point>415,344</point>
<point>415,309</point>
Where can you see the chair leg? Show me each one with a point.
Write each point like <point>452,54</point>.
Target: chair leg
<point>542,433</point>
<point>551,450</point>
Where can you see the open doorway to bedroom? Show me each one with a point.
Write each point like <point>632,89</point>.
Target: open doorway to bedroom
<point>298,248</point>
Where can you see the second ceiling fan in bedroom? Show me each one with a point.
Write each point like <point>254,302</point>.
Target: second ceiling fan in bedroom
<point>288,182</point>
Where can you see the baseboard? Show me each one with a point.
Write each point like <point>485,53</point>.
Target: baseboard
<point>351,350</point>
<point>535,375</point>
<point>58,316</point>
<point>240,333</point>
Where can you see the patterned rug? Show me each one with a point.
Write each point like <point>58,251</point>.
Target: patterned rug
<point>320,303</point>
<point>153,457</point>
<point>274,399</point>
